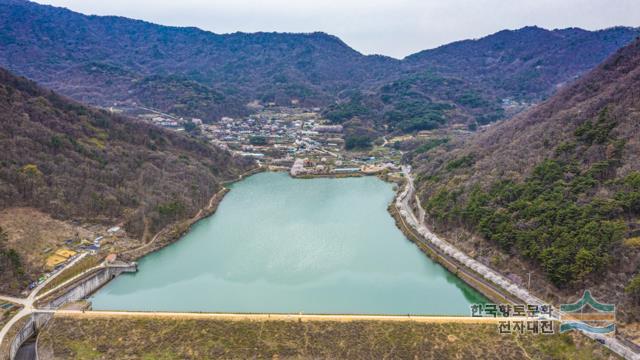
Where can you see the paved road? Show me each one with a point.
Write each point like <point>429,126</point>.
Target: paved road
<point>417,223</point>
<point>27,303</point>
<point>490,275</point>
<point>68,281</point>
<point>12,299</point>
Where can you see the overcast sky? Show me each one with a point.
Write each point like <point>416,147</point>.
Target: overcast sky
<point>390,27</point>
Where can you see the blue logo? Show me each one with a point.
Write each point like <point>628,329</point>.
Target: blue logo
<point>588,315</point>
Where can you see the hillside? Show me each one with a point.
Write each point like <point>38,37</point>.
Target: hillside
<point>123,57</point>
<point>105,60</point>
<point>477,82</point>
<point>80,164</point>
<point>528,63</point>
<point>557,187</point>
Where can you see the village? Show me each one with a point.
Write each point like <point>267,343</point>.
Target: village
<point>297,140</point>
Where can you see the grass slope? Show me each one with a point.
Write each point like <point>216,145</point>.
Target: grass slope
<point>136,338</point>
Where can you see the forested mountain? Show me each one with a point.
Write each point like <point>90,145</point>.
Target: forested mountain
<point>528,63</point>
<point>493,77</point>
<point>557,186</point>
<point>101,60</point>
<point>77,163</point>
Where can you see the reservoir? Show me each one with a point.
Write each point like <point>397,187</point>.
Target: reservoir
<point>283,245</point>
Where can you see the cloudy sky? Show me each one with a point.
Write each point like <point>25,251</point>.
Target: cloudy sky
<point>390,27</point>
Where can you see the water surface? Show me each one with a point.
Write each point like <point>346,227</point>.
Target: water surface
<point>278,244</point>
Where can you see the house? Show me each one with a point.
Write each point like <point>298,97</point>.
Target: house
<point>346,170</point>
<point>113,230</point>
<point>92,249</point>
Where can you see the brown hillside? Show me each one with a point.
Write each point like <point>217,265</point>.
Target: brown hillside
<point>513,148</point>
<point>77,163</point>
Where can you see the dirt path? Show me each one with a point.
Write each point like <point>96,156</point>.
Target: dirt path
<point>280,317</point>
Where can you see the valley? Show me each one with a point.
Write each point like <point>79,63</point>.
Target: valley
<point>205,195</point>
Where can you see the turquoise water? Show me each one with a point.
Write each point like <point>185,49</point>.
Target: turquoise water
<point>278,244</point>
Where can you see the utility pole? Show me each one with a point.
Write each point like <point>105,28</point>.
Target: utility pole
<point>529,282</point>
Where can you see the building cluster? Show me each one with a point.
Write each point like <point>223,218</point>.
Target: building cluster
<point>340,166</point>
<point>297,139</point>
<point>276,135</point>
<point>165,121</point>
<point>60,257</point>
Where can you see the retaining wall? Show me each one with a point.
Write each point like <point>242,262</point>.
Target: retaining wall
<point>35,322</point>
<point>78,292</point>
<point>89,285</point>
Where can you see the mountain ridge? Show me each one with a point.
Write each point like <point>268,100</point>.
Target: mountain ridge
<point>105,60</point>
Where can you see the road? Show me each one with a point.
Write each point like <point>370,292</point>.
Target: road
<point>12,299</point>
<point>489,276</point>
<point>418,224</point>
<point>71,280</point>
<point>282,317</point>
<point>27,303</point>
<point>158,112</point>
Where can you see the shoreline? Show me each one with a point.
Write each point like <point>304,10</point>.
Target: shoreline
<point>489,290</point>
<point>452,266</point>
<point>492,293</point>
<point>169,235</point>
<point>172,233</point>
<point>449,264</point>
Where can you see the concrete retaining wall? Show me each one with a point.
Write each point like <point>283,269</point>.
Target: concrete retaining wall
<point>78,292</point>
<point>90,285</point>
<point>35,322</point>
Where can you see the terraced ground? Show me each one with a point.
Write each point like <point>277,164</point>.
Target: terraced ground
<point>166,338</point>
